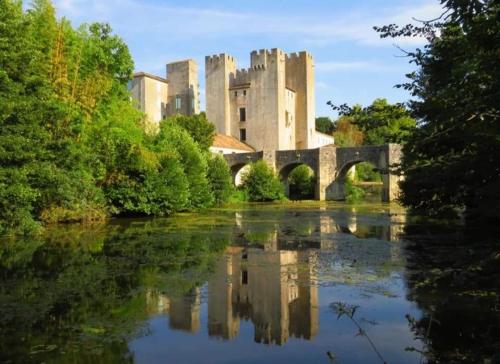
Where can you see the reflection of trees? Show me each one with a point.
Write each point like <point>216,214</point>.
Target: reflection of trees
<point>74,289</point>
<point>454,279</point>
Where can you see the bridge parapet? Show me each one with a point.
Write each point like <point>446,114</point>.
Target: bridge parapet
<point>330,165</point>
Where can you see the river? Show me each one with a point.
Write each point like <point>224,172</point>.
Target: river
<point>293,283</point>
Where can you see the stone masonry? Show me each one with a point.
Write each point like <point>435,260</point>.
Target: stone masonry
<point>330,165</point>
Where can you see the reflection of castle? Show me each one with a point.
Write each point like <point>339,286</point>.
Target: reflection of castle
<point>274,289</point>
<point>275,286</point>
<point>183,311</point>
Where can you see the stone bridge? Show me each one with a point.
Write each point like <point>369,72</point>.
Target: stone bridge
<point>330,165</point>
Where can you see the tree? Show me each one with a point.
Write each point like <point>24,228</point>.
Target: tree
<point>193,160</point>
<point>302,183</point>
<point>200,129</point>
<point>221,181</point>
<point>324,125</point>
<point>380,123</point>
<point>451,162</point>
<point>346,133</point>
<point>262,183</point>
<point>72,146</point>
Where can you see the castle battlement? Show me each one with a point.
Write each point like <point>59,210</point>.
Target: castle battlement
<point>298,56</point>
<point>269,105</point>
<point>219,58</point>
<point>240,77</point>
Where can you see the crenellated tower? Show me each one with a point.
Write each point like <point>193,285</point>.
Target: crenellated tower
<point>300,78</point>
<point>218,71</point>
<point>183,88</point>
<point>270,105</point>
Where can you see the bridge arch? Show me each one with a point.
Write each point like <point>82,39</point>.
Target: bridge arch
<point>238,161</point>
<point>330,165</point>
<point>285,171</point>
<point>380,157</point>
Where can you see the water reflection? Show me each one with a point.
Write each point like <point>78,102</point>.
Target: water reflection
<point>269,276</point>
<point>263,286</point>
<point>253,285</point>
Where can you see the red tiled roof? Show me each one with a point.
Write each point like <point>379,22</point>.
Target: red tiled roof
<point>229,142</point>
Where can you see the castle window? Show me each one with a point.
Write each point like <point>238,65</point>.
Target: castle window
<point>244,92</point>
<point>243,114</point>
<point>235,93</point>
<point>178,103</point>
<point>243,135</point>
<point>244,277</point>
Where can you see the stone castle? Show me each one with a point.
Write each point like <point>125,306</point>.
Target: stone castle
<point>269,106</point>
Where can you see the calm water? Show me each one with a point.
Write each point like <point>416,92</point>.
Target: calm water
<point>268,284</point>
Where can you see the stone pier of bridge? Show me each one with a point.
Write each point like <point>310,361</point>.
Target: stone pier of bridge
<point>330,165</point>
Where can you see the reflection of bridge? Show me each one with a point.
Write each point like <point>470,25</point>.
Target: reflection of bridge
<point>330,165</point>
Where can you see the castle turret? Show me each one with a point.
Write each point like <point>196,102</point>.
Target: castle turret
<point>300,78</point>
<point>218,72</point>
<point>183,88</point>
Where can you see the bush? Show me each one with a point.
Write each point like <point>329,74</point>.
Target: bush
<point>199,128</point>
<point>352,193</point>
<point>262,183</point>
<point>366,173</point>
<point>239,194</point>
<point>16,203</point>
<point>302,183</point>
<point>193,160</point>
<point>221,181</point>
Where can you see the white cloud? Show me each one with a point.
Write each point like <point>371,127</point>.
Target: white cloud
<point>161,20</point>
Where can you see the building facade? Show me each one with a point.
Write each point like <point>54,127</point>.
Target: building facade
<point>269,106</point>
<point>160,98</point>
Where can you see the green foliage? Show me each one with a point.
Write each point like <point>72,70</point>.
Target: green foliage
<point>380,123</point>
<point>302,183</point>
<point>72,146</point>
<point>325,125</point>
<point>346,133</point>
<point>200,129</point>
<point>239,194</point>
<point>452,161</point>
<point>262,183</point>
<point>383,123</point>
<point>353,193</point>
<point>221,181</point>
<point>365,172</point>
<point>193,160</point>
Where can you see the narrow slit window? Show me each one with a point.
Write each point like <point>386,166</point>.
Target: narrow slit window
<point>178,103</point>
<point>243,114</point>
<point>243,135</point>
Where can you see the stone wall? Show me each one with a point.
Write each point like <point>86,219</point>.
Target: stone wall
<point>330,165</point>
<point>182,80</point>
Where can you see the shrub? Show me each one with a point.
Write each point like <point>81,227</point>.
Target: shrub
<point>366,173</point>
<point>221,181</point>
<point>262,183</point>
<point>199,128</point>
<point>302,183</point>
<point>352,193</point>
<point>172,136</point>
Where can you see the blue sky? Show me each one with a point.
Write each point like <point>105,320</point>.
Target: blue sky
<point>352,64</point>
